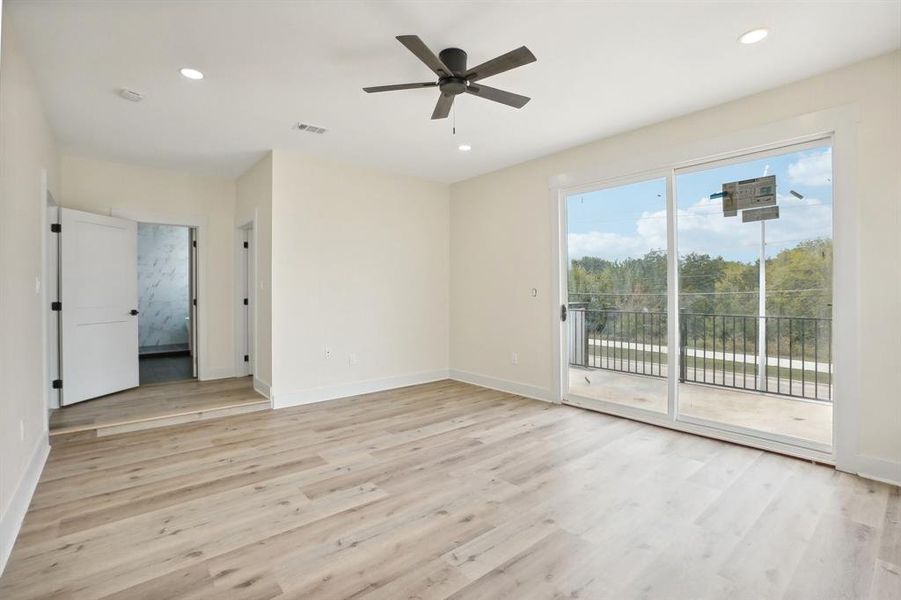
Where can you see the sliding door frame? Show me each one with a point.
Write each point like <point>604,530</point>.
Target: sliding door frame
<point>834,126</point>
<point>563,294</point>
<point>798,146</point>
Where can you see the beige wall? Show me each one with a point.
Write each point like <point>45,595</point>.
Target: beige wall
<point>100,187</point>
<point>501,239</point>
<point>359,266</point>
<point>27,147</point>
<point>254,203</point>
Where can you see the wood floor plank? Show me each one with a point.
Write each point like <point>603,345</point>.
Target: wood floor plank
<point>839,562</point>
<point>886,581</point>
<point>443,490</point>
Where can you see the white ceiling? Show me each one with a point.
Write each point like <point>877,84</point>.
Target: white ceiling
<point>602,68</point>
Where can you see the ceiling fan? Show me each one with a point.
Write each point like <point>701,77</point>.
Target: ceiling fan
<point>454,78</point>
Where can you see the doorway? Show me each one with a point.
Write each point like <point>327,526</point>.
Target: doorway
<point>700,297</point>
<point>113,271</point>
<point>166,290</point>
<point>113,337</point>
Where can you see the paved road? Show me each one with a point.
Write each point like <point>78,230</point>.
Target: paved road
<point>751,359</point>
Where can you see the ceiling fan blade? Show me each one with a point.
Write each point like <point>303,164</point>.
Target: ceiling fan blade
<point>442,109</point>
<point>496,95</point>
<point>515,58</point>
<point>422,52</point>
<point>399,86</point>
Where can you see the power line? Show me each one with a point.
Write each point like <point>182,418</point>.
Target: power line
<point>768,292</point>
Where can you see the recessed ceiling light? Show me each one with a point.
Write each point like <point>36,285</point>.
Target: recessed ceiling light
<point>753,36</point>
<point>191,73</point>
<point>464,147</point>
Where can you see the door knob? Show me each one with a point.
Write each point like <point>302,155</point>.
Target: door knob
<point>133,312</point>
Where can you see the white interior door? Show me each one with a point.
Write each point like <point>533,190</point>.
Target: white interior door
<point>99,293</point>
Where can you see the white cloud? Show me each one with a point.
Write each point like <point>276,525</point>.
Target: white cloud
<point>703,229</point>
<point>610,246</point>
<point>812,169</point>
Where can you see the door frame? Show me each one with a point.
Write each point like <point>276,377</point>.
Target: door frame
<point>200,224</point>
<point>245,274</point>
<point>50,323</point>
<point>839,124</point>
<point>193,258</point>
<point>51,287</point>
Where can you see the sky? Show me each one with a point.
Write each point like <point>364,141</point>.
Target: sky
<point>628,221</point>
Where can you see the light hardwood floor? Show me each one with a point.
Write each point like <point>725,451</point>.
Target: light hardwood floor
<point>446,490</point>
<point>155,405</point>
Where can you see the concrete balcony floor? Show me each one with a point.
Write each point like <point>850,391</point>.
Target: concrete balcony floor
<point>793,417</point>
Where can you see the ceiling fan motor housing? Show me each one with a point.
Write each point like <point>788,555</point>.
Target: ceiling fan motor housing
<point>455,60</point>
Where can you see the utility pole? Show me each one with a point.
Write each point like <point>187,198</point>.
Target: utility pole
<point>756,199</point>
<point>761,313</point>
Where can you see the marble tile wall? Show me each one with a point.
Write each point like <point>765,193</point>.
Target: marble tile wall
<point>163,285</point>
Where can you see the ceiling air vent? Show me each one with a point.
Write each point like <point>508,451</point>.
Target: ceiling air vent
<point>307,128</point>
<point>131,95</point>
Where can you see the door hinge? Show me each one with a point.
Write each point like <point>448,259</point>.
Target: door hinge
<point>563,312</point>
<point>56,227</point>
<point>246,358</point>
<point>193,244</point>
<point>246,245</point>
<point>194,301</point>
<point>245,301</point>
<point>57,384</point>
<point>56,306</point>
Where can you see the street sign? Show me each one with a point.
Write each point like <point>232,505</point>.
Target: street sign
<point>760,214</point>
<point>749,193</point>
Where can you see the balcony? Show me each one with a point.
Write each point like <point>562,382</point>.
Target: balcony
<point>772,374</point>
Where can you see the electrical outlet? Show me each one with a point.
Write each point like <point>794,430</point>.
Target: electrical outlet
<point>352,358</point>
<point>21,430</point>
<point>514,358</point>
<point>327,353</point>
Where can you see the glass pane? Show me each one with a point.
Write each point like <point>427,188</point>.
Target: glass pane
<point>765,366</point>
<point>616,241</point>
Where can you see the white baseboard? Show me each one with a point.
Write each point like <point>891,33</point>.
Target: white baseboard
<point>260,386</point>
<point>11,520</point>
<point>355,388</point>
<point>218,373</point>
<point>879,469</point>
<point>503,385</point>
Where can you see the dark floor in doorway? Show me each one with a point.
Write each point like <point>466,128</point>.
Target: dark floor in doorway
<point>159,369</point>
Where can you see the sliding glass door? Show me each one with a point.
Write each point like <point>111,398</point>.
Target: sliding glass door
<point>617,295</point>
<point>755,296</point>
<point>740,340</point>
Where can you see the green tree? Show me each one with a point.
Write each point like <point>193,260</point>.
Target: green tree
<point>736,289</point>
<point>698,274</point>
<point>799,280</point>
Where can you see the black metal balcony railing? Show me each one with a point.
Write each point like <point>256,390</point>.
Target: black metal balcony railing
<point>795,358</point>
